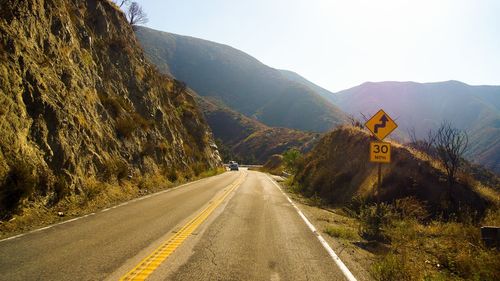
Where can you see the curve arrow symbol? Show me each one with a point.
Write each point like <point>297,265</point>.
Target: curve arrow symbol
<point>383,121</point>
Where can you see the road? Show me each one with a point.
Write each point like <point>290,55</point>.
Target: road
<point>234,226</point>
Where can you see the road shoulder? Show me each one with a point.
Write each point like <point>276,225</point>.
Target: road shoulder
<point>339,231</point>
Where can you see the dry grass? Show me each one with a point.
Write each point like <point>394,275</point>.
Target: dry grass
<point>115,169</point>
<point>337,170</point>
<point>488,192</point>
<point>97,195</point>
<point>437,250</point>
<point>341,232</point>
<point>126,125</point>
<point>274,165</point>
<point>425,229</point>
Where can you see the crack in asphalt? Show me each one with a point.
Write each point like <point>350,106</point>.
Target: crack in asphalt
<point>212,235</point>
<point>212,259</point>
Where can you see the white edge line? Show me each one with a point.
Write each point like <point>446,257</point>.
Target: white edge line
<point>102,211</point>
<point>347,273</point>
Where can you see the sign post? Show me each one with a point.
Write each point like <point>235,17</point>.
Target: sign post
<point>381,125</point>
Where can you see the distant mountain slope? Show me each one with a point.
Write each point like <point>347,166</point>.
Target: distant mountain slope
<point>249,141</point>
<point>329,96</point>
<point>240,81</point>
<point>424,106</point>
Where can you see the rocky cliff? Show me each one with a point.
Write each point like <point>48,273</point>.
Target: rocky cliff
<point>78,101</point>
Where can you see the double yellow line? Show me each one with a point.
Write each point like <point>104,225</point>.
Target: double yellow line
<point>160,254</point>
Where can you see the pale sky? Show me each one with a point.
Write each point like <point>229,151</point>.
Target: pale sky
<point>341,44</point>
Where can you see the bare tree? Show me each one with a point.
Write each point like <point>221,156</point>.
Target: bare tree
<point>450,145</point>
<point>354,121</point>
<point>120,3</point>
<point>136,15</point>
<point>423,144</point>
<point>365,118</point>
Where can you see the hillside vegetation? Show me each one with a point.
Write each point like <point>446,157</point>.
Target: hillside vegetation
<point>424,106</point>
<point>423,229</point>
<point>83,115</point>
<point>248,141</point>
<point>240,82</point>
<point>338,170</point>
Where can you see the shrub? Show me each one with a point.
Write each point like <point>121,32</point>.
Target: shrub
<point>292,159</point>
<point>372,220</point>
<point>151,182</point>
<point>93,188</point>
<point>115,168</point>
<point>392,268</point>
<point>316,200</point>
<point>19,182</point>
<point>112,104</point>
<point>171,174</point>
<point>163,146</point>
<point>61,189</point>
<point>341,232</point>
<point>410,207</point>
<point>125,126</point>
<point>356,204</point>
<point>198,168</point>
<point>119,44</point>
<point>212,172</point>
<point>141,122</point>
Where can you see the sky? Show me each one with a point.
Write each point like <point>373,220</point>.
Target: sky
<point>341,44</point>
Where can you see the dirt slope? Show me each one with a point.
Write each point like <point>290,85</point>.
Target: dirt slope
<point>338,170</point>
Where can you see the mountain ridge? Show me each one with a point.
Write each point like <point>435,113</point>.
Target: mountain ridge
<point>475,108</point>
<point>248,141</point>
<point>424,106</point>
<point>247,85</point>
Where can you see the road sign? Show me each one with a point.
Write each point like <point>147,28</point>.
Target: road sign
<point>381,125</point>
<point>380,152</point>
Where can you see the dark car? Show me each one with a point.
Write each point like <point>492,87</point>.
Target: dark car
<point>233,166</point>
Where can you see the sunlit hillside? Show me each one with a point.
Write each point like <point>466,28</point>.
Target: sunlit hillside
<point>248,141</point>
<point>240,81</point>
<point>423,106</point>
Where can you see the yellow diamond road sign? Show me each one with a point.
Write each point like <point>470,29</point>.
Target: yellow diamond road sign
<point>381,125</point>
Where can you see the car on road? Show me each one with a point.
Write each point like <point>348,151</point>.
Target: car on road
<point>233,166</point>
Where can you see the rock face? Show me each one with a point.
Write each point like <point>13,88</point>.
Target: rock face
<point>78,100</point>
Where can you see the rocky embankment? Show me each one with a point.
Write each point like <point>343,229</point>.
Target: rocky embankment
<point>79,103</point>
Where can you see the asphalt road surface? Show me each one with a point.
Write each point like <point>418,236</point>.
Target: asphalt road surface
<point>237,226</point>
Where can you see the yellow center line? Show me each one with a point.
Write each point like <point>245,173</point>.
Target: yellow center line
<point>160,254</point>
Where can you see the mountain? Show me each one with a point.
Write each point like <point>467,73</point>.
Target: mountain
<point>82,109</point>
<point>240,82</point>
<point>327,95</point>
<point>424,106</point>
<point>248,141</point>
